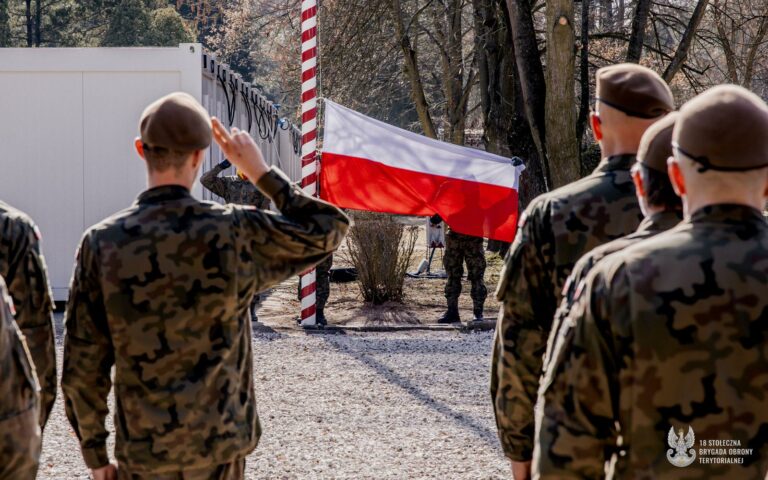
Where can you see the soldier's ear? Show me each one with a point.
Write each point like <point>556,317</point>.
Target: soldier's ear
<point>596,124</point>
<point>139,145</point>
<point>676,176</point>
<point>637,179</point>
<point>197,158</point>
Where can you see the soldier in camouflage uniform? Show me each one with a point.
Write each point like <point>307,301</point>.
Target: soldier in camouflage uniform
<point>23,267</point>
<point>460,249</point>
<point>20,434</point>
<point>161,290</point>
<point>661,206</point>
<point>555,230</point>
<point>671,334</point>
<point>239,190</point>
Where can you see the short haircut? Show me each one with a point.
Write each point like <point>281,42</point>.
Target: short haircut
<point>658,188</point>
<point>161,159</point>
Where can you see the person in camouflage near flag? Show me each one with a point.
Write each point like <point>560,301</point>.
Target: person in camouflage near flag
<point>161,292</point>
<point>661,206</point>
<point>23,266</point>
<point>239,190</point>
<point>461,249</point>
<point>556,229</point>
<point>20,433</point>
<point>671,334</point>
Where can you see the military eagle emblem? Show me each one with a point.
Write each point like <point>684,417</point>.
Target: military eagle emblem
<point>681,453</point>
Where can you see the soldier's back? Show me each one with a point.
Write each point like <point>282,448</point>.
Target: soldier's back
<point>584,214</point>
<point>696,345</point>
<point>171,271</point>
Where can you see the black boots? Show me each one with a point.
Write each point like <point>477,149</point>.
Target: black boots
<point>478,313</point>
<point>320,318</point>
<point>450,316</point>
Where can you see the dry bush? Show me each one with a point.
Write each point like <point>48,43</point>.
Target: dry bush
<point>381,251</point>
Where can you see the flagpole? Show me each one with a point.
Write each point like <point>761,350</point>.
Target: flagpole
<point>308,281</point>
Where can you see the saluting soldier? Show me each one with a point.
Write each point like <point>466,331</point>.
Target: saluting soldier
<point>666,347</point>
<point>661,206</point>
<point>239,190</point>
<point>161,290</point>
<point>20,434</point>
<point>556,229</point>
<point>23,266</point>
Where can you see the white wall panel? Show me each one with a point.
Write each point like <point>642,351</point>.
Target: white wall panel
<point>41,128</point>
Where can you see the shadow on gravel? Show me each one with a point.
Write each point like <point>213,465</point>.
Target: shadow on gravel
<point>486,435</point>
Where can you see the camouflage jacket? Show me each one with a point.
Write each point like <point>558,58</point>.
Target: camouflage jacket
<point>233,189</point>
<point>670,334</point>
<point>556,229</point>
<point>649,227</point>
<point>18,382</point>
<point>23,267</point>
<point>161,291</point>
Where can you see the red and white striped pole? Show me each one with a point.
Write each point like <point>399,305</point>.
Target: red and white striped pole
<point>308,139</point>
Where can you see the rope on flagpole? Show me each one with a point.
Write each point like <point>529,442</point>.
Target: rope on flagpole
<point>308,139</point>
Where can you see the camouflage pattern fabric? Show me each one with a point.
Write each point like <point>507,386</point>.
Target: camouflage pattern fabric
<point>230,471</point>
<point>323,282</point>
<point>460,249</point>
<point>556,229</point>
<point>649,227</point>
<point>671,333</point>
<point>233,189</point>
<point>161,291</point>
<point>20,436</point>
<point>23,266</point>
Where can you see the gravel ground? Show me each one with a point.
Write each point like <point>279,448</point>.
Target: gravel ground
<point>376,405</point>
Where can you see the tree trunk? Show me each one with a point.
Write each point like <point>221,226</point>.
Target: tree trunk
<point>584,103</point>
<point>38,21</point>
<point>637,36</point>
<point>28,14</point>
<point>447,20</point>
<point>560,118</point>
<point>412,71</point>
<point>685,42</point>
<point>531,75</point>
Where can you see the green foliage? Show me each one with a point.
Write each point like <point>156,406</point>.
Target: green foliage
<point>130,25</point>
<point>169,29</point>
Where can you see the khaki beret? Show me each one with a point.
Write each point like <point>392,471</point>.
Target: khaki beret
<point>724,128</point>
<point>176,122</point>
<point>656,144</point>
<point>635,90</point>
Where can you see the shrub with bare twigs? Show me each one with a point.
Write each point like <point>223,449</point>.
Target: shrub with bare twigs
<point>381,251</point>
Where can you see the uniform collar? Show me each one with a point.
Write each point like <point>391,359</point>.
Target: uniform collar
<point>661,221</point>
<point>729,213</point>
<point>163,194</point>
<point>616,162</point>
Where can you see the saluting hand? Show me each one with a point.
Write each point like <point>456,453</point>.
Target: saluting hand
<point>240,149</point>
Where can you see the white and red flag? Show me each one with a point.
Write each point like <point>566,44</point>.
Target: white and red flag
<point>370,165</point>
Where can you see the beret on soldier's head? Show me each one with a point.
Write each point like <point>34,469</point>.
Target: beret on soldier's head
<point>656,144</point>
<point>635,90</point>
<point>176,122</point>
<point>724,128</point>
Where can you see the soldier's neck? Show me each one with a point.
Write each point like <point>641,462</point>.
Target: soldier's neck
<point>169,177</point>
<point>610,147</point>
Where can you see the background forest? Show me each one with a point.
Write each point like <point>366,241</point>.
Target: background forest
<point>514,77</point>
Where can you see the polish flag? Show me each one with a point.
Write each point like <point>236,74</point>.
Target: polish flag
<point>370,165</point>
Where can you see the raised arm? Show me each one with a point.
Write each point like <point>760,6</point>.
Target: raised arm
<point>212,181</point>
<point>88,359</point>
